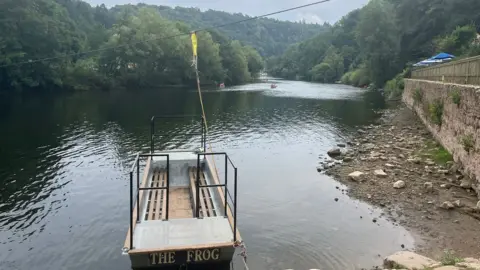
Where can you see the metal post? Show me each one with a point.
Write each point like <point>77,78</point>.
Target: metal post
<point>168,185</point>
<point>138,185</point>
<point>235,208</point>
<point>226,185</point>
<point>197,183</point>
<point>204,135</point>
<point>203,139</point>
<point>152,132</point>
<point>131,210</point>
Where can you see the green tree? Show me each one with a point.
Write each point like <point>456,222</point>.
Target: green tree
<point>377,37</point>
<point>323,72</point>
<point>255,61</point>
<point>235,63</point>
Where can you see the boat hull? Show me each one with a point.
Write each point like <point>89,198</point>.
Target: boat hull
<point>208,258</point>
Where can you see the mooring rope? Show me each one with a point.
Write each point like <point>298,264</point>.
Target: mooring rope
<point>237,244</point>
<point>195,64</point>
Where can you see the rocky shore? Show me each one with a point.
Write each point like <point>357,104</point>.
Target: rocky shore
<point>397,165</point>
<point>412,261</point>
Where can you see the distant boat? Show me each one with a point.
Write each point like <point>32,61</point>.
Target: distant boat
<point>273,86</point>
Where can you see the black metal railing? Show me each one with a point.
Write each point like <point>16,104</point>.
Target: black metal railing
<point>202,133</point>
<point>225,186</point>
<point>136,165</point>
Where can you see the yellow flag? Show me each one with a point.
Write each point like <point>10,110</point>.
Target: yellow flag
<point>194,43</point>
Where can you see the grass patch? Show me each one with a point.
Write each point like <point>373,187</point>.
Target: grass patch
<point>417,95</point>
<point>436,112</point>
<point>436,152</point>
<point>468,142</point>
<point>449,258</point>
<point>456,98</point>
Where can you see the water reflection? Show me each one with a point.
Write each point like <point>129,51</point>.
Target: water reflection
<point>64,194</point>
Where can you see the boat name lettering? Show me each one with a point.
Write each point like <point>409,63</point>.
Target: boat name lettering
<point>194,255</point>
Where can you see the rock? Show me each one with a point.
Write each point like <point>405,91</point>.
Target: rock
<point>335,152</point>
<point>399,184</point>
<point>478,205</point>
<point>347,159</point>
<point>447,205</point>
<point>361,131</point>
<point>338,161</point>
<point>341,145</point>
<point>428,186</point>
<point>350,143</point>
<point>459,177</point>
<point>408,260</point>
<point>380,173</point>
<point>369,196</point>
<point>443,171</point>
<point>319,169</point>
<point>356,176</point>
<point>429,162</point>
<point>447,267</point>
<point>457,203</point>
<point>469,263</point>
<point>466,184</point>
<point>368,146</point>
<point>415,160</point>
<point>401,155</point>
<point>388,165</point>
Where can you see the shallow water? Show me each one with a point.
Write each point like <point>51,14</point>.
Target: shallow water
<point>64,163</point>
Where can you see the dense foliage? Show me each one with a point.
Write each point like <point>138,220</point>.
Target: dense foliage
<point>268,36</point>
<point>96,47</point>
<point>373,44</point>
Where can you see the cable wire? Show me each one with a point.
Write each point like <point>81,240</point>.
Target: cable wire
<point>161,38</point>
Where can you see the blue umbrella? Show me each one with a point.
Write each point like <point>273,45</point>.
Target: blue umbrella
<point>442,56</point>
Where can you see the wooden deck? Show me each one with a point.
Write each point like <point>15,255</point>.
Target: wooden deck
<point>207,208</point>
<point>157,199</point>
<point>180,200</point>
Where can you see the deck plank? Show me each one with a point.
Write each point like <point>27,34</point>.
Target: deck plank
<point>158,208</point>
<point>152,196</point>
<point>164,195</point>
<point>180,204</point>
<point>206,195</point>
<point>193,174</point>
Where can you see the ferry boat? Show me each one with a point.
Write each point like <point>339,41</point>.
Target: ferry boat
<point>182,212</point>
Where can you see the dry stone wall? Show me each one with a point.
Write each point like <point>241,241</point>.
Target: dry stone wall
<point>452,114</point>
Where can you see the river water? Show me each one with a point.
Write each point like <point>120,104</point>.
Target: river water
<point>64,163</point>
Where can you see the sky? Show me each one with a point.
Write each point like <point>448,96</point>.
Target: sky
<point>327,12</point>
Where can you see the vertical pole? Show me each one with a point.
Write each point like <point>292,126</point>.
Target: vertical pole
<point>197,181</point>
<point>226,185</point>
<point>131,210</point>
<point>168,185</point>
<point>152,132</point>
<point>203,135</point>
<point>235,208</point>
<point>138,185</point>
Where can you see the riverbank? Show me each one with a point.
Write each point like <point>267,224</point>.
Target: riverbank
<point>397,165</point>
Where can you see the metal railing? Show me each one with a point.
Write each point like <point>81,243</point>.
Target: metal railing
<point>225,186</point>
<point>136,164</point>
<point>203,132</point>
<point>463,71</point>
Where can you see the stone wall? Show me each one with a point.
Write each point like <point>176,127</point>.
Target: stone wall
<point>452,114</point>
